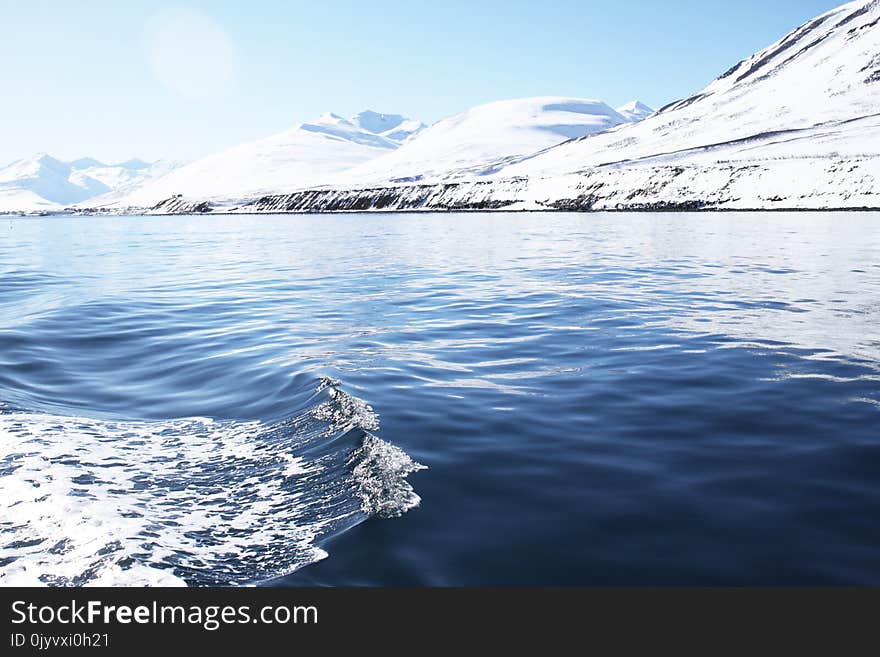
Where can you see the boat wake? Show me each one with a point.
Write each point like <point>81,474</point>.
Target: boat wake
<point>191,501</point>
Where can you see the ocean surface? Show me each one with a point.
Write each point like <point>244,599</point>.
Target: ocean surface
<point>440,399</point>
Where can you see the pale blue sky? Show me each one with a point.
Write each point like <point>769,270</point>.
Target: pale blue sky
<point>113,79</point>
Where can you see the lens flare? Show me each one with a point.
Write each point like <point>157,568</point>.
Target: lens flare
<point>191,54</point>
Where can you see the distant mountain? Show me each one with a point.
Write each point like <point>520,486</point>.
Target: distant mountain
<point>47,180</point>
<point>635,111</point>
<point>305,154</point>
<point>484,136</point>
<point>43,182</point>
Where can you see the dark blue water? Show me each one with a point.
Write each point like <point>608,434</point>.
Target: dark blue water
<point>595,399</point>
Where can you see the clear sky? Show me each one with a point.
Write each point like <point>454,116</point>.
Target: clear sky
<point>119,79</point>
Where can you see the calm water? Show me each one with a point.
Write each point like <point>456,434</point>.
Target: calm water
<point>441,399</point>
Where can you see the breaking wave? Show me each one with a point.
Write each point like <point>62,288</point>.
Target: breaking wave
<point>190,501</point>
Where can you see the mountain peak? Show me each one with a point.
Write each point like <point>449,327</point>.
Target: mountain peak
<point>636,104</point>
<point>45,158</point>
<point>635,110</point>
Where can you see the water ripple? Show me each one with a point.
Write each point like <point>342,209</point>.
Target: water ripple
<point>601,398</point>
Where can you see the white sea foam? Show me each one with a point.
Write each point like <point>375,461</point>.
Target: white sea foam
<point>188,501</point>
<point>380,470</point>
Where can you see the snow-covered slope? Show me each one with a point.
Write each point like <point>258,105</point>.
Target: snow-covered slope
<point>305,154</point>
<point>485,136</point>
<point>44,183</point>
<point>15,200</point>
<point>825,72</point>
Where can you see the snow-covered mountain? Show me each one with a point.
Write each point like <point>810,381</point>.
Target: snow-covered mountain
<point>44,183</point>
<point>796,125</point>
<point>635,111</point>
<point>486,136</point>
<point>307,153</point>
